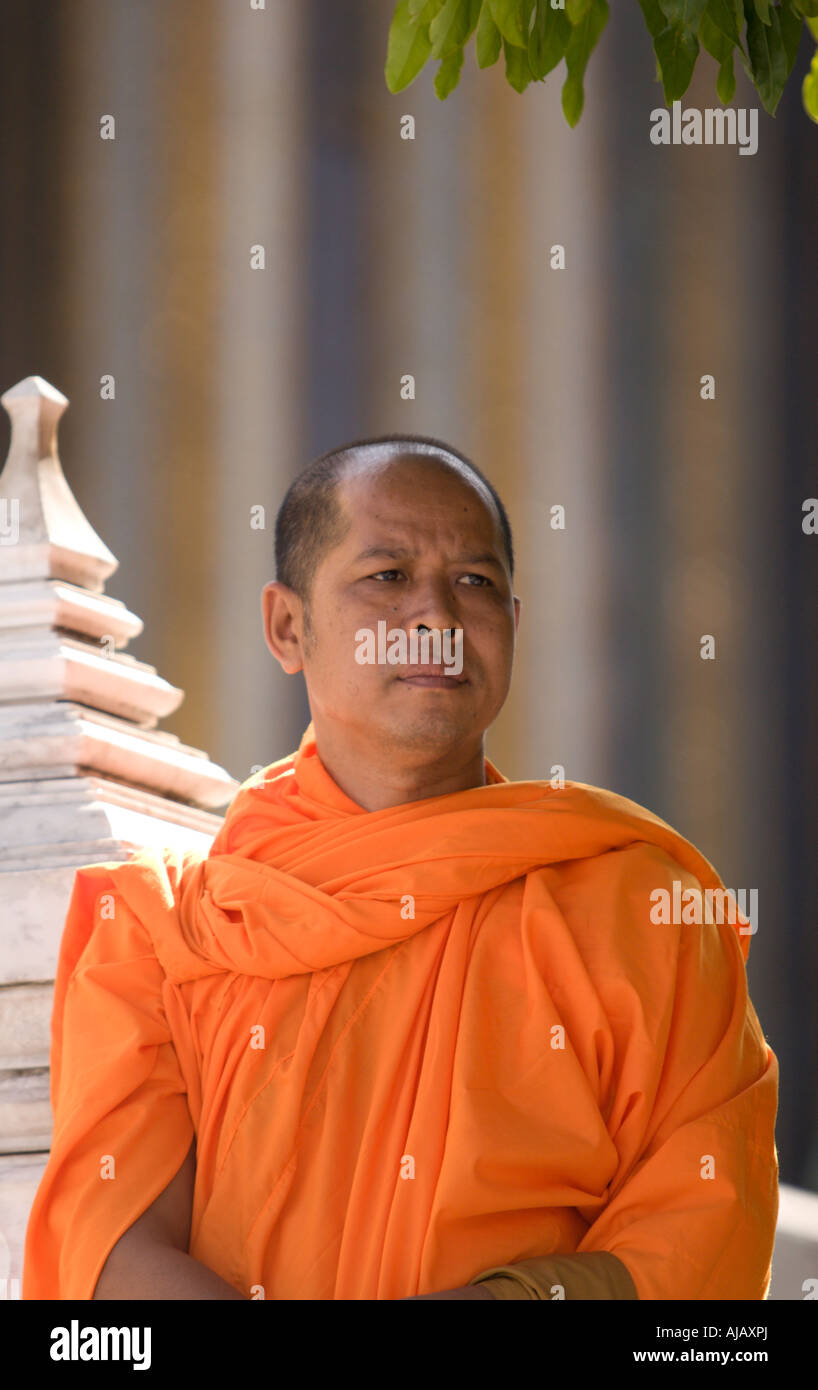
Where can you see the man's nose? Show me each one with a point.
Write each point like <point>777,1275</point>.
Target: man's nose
<point>432,606</point>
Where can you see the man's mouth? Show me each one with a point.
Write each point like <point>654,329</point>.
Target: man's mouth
<point>432,677</point>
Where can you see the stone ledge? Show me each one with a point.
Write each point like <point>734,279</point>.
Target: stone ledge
<point>25,1111</point>
<point>54,740</point>
<point>25,1026</point>
<point>54,603</point>
<point>44,663</point>
<point>47,817</point>
<point>20,1175</point>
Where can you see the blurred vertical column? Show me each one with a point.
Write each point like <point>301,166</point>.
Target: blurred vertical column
<point>631,238</point>
<point>561,437</point>
<point>112,311</point>
<point>259,362</point>
<point>718,475</point>
<point>420,228</point>
<point>496,280</point>
<point>722,776</point>
<point>180,342</point>
<point>795,604</point>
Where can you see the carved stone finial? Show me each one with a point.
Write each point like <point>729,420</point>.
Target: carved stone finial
<point>44,533</point>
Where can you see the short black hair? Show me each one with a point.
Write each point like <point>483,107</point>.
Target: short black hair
<point>310,520</point>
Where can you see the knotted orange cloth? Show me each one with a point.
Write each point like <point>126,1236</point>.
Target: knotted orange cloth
<point>414,1046</point>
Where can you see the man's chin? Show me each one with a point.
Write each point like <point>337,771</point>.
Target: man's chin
<point>434,729</point>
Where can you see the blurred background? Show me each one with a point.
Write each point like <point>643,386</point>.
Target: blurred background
<point>579,387</point>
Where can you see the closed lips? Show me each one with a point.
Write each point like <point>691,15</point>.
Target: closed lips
<point>413,671</point>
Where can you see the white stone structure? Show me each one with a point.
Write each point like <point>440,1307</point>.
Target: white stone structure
<point>84,774</point>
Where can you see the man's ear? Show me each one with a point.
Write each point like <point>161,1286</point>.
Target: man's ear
<point>282,615</point>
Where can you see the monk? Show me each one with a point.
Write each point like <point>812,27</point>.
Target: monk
<point>410,1030</point>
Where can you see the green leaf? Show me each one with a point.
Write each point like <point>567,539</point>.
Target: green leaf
<point>792,27</point>
<point>408,46</point>
<point>573,98</point>
<point>448,74</point>
<point>528,17</point>
<point>682,14</point>
<point>768,57</point>
<point>809,90</point>
<point>489,40</point>
<point>728,16</point>
<point>677,50</point>
<point>746,64</point>
<point>654,18</point>
<point>518,72</point>
<point>581,44</point>
<point>726,81</point>
<point>548,39</point>
<point>714,40</point>
<point>509,17</point>
<point>534,37</point>
<point>450,28</point>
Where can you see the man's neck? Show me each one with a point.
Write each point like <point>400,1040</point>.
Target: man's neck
<point>376,787</point>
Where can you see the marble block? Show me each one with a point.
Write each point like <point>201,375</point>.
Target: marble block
<point>60,739</point>
<point>25,1026</point>
<point>20,1176</point>
<point>50,821</point>
<point>57,604</point>
<point>100,822</point>
<point>38,663</point>
<point>25,1111</point>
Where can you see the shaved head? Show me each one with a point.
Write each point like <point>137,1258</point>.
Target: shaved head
<point>312,520</point>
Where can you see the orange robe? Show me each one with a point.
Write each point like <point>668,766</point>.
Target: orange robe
<point>414,1046</point>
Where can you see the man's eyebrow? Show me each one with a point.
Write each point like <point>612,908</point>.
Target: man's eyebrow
<point>486,557</point>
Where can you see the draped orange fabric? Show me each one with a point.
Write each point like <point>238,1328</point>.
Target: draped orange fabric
<point>412,1045</point>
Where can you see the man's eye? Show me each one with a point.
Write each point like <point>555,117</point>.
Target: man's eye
<point>484,579</point>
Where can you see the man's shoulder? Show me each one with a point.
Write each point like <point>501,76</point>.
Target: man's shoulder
<point>598,823</point>
<point>149,876</point>
<point>129,908</point>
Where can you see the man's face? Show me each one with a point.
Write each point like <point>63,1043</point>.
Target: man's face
<point>425,528</point>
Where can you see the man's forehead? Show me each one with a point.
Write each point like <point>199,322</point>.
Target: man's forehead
<point>417,524</point>
<point>375,489</point>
